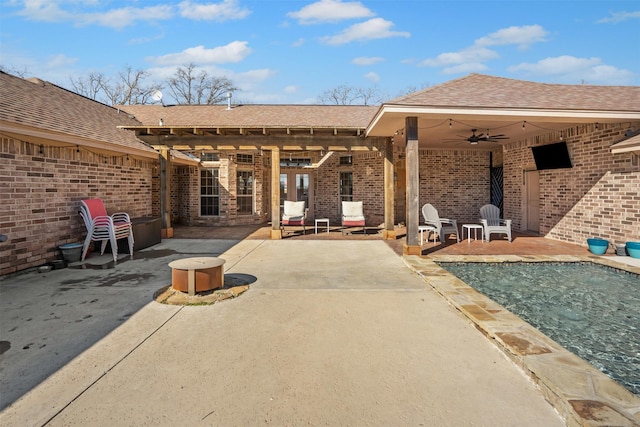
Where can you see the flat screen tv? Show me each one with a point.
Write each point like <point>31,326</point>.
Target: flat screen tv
<point>551,156</point>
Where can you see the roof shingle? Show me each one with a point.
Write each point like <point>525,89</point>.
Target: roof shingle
<point>45,106</point>
<point>478,90</point>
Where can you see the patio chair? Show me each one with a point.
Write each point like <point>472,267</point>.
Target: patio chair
<point>294,214</point>
<point>104,228</point>
<point>352,216</point>
<point>443,226</point>
<point>492,223</point>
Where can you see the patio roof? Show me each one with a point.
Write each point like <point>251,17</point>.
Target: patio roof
<point>496,105</point>
<point>251,126</point>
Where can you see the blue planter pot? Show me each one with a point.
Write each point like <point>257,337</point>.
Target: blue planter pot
<point>597,246</point>
<point>633,248</point>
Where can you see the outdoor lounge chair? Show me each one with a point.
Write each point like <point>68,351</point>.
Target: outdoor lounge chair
<point>492,223</point>
<point>294,214</point>
<point>104,228</point>
<point>443,226</point>
<point>352,216</point>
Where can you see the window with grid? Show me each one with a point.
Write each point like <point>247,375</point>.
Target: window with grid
<point>346,186</point>
<point>209,192</point>
<point>244,187</point>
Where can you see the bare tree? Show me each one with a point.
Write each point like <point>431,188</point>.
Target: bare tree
<point>89,86</point>
<point>192,87</point>
<point>351,95</point>
<point>129,88</point>
<point>14,71</point>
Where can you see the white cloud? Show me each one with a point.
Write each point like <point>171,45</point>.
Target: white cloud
<point>619,17</point>
<point>558,65</point>
<point>376,28</point>
<point>124,17</point>
<point>45,11</point>
<point>571,69</point>
<point>521,36</point>
<point>364,60</point>
<point>473,58</point>
<point>298,42</point>
<point>233,52</point>
<point>291,89</point>
<point>372,77</point>
<point>249,80</point>
<point>60,60</point>
<point>49,11</point>
<point>219,12</point>
<point>469,67</point>
<point>472,54</point>
<point>330,11</point>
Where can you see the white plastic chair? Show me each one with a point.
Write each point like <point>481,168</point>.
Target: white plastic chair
<point>443,226</point>
<point>294,214</point>
<point>104,228</point>
<point>492,223</point>
<point>352,216</point>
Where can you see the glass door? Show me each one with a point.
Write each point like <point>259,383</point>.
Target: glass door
<point>296,187</point>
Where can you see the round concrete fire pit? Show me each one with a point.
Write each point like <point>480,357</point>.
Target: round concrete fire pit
<point>198,274</point>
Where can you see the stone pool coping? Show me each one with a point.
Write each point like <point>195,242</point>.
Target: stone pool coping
<point>580,393</point>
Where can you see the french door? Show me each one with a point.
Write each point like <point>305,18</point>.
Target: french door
<point>297,186</point>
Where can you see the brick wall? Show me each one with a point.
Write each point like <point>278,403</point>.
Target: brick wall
<point>186,193</point>
<point>455,182</point>
<point>40,197</point>
<point>599,196</point>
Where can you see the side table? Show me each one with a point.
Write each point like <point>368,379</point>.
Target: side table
<point>428,229</point>
<point>475,228</point>
<point>322,221</point>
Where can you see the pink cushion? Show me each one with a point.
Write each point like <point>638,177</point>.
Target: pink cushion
<point>353,223</point>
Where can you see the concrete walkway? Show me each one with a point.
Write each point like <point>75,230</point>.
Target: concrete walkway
<point>330,333</point>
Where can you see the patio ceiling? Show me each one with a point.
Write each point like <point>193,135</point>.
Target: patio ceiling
<point>438,124</point>
<point>497,105</point>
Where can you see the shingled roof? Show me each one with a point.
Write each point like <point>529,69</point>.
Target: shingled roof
<point>43,108</point>
<point>478,90</point>
<point>254,116</point>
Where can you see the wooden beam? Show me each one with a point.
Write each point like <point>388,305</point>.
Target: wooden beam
<point>389,232</point>
<point>412,246</point>
<point>276,232</point>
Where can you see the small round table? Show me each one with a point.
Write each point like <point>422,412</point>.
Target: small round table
<point>197,274</point>
<point>475,228</point>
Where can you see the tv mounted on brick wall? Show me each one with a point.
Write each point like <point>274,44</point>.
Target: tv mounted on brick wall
<point>551,156</point>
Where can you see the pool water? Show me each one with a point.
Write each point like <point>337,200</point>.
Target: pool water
<point>591,310</point>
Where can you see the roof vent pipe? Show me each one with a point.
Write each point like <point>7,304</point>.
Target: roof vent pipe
<point>229,101</point>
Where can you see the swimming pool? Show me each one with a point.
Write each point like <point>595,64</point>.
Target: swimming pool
<point>591,310</point>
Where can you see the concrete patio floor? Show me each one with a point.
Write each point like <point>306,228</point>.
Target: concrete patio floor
<point>334,330</point>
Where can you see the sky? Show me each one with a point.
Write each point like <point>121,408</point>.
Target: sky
<point>293,51</point>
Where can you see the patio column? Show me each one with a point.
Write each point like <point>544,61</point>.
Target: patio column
<point>412,247</point>
<point>389,232</point>
<point>276,233</point>
<point>165,192</point>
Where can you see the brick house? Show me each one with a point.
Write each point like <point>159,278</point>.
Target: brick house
<point>217,165</point>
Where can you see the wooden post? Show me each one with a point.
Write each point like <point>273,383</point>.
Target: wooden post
<point>276,232</point>
<point>165,192</point>
<point>389,232</point>
<point>412,247</point>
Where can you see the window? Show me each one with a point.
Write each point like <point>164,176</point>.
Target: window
<point>209,192</point>
<point>346,186</point>
<point>209,157</point>
<point>244,186</point>
<point>245,159</point>
<point>345,160</point>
